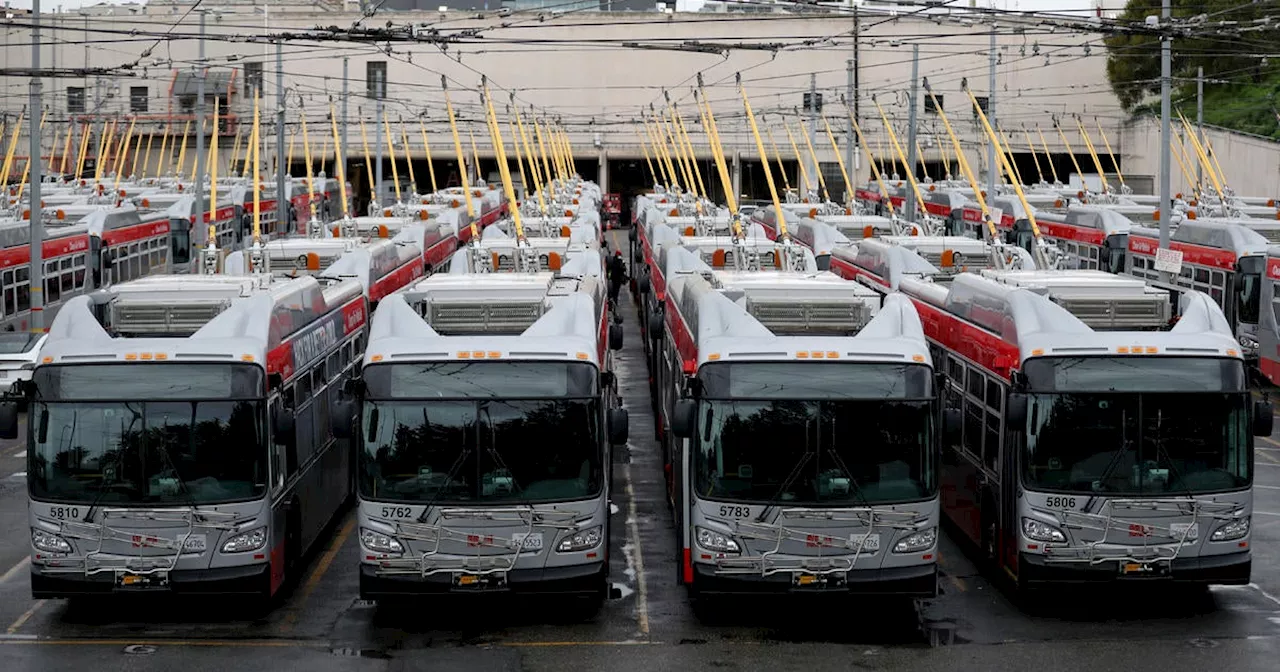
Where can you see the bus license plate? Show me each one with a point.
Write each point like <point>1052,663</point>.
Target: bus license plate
<point>1143,568</point>
<point>480,581</point>
<point>142,581</point>
<point>817,581</point>
<point>529,541</point>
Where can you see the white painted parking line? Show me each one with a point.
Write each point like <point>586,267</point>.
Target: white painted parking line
<point>1266,513</point>
<point>22,474</point>
<point>14,570</point>
<point>1267,487</point>
<point>633,530</point>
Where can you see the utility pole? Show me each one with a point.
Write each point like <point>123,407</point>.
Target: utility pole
<point>1200,118</point>
<point>200,167</point>
<point>282,194</point>
<point>993,173</point>
<point>346,65</point>
<point>857,66</point>
<point>1166,66</point>
<point>849,138</point>
<point>37,216</point>
<point>814,110</point>
<point>377,162</point>
<point>911,128</point>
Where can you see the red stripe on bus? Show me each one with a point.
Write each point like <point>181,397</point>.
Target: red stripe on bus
<point>1077,234</point>
<point>685,345</point>
<point>440,252</point>
<point>134,233</point>
<point>1191,254</point>
<point>52,249</point>
<point>280,358</point>
<point>1273,268</point>
<point>688,567</point>
<point>400,277</point>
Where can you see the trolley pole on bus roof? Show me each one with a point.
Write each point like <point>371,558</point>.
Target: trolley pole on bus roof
<point>1166,200</point>
<point>200,167</point>
<point>282,198</point>
<point>37,216</point>
<point>993,172</point>
<point>911,126</point>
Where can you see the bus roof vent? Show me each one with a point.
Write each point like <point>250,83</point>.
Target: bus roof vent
<point>164,316</point>
<point>451,317</point>
<point>797,315</point>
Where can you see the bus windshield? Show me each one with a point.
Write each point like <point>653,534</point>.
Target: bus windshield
<point>1137,426</point>
<point>1115,247</point>
<point>846,452</point>
<point>187,434</point>
<point>481,451</point>
<point>481,432</point>
<point>1249,289</point>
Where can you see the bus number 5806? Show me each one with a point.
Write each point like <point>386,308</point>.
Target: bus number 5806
<point>1060,502</point>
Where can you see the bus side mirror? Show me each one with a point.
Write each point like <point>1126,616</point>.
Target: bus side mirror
<point>282,425</point>
<point>823,261</point>
<point>1264,418</point>
<point>655,325</point>
<point>615,337</point>
<point>643,283</point>
<point>340,416</point>
<point>1015,413</point>
<point>631,235</point>
<point>952,421</point>
<point>8,420</point>
<point>619,426</point>
<point>682,418</point>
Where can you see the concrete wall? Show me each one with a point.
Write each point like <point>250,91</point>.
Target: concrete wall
<point>1251,163</point>
<point>594,86</point>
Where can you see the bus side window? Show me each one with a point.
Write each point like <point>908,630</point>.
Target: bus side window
<point>52,285</point>
<point>973,412</point>
<point>995,402</point>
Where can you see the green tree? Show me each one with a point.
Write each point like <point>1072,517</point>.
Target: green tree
<point>1227,54</point>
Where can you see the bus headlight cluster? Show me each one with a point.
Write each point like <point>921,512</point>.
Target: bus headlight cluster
<point>917,541</point>
<point>715,541</point>
<point>583,540</point>
<point>246,541</point>
<point>1038,531</point>
<point>1231,530</point>
<point>379,542</point>
<point>48,542</point>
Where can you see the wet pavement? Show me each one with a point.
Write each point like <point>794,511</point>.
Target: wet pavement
<point>321,624</point>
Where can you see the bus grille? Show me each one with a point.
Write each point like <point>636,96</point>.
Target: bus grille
<point>489,317</point>
<point>1148,312</point>
<point>161,318</point>
<point>810,317</point>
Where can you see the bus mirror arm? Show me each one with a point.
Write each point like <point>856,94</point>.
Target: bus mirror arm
<point>1263,418</point>
<point>8,419</point>
<point>682,418</point>
<point>619,426</point>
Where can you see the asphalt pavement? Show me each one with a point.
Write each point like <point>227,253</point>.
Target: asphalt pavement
<point>322,625</point>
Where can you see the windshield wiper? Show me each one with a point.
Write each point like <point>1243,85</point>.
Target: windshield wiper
<point>448,476</point>
<point>1114,464</point>
<point>791,477</point>
<point>119,452</point>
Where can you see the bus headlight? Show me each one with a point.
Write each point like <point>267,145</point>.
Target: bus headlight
<point>48,542</point>
<point>1231,530</point>
<point>917,541</point>
<point>715,541</point>
<point>379,542</point>
<point>246,541</point>
<point>583,540</point>
<point>1038,531</point>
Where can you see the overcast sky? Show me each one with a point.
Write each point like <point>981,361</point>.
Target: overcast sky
<point>1028,5</point>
